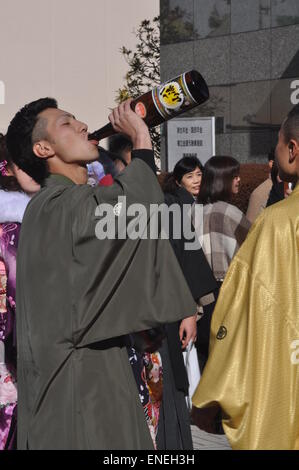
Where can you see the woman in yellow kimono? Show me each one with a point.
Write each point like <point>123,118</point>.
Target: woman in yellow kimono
<point>252,372</point>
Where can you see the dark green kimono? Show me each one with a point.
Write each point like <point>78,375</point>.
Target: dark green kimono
<point>76,298</point>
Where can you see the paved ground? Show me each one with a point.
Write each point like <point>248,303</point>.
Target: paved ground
<point>206,441</point>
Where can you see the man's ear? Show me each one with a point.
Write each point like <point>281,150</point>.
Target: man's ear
<point>43,149</point>
<point>293,146</point>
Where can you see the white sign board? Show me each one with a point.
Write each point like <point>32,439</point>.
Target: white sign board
<point>190,137</point>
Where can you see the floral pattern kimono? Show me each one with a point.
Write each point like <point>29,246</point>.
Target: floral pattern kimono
<point>9,234</point>
<point>148,373</point>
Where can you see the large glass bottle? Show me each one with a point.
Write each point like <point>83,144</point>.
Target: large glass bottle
<point>165,101</point>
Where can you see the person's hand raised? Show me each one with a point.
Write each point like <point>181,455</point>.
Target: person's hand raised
<point>125,121</point>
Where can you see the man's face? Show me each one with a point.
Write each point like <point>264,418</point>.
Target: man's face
<point>282,155</point>
<point>68,137</point>
<point>119,165</point>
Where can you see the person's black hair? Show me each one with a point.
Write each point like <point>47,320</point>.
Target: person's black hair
<point>119,143</point>
<point>182,167</point>
<point>271,155</point>
<point>8,183</point>
<point>290,126</point>
<point>25,129</point>
<point>217,178</point>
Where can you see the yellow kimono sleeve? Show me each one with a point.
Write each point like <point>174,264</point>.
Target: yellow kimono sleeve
<point>249,373</point>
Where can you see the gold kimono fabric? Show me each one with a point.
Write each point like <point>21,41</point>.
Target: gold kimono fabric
<point>253,367</point>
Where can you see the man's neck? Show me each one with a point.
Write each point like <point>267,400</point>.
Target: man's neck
<point>73,171</point>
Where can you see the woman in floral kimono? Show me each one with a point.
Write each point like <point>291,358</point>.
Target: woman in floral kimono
<point>16,189</point>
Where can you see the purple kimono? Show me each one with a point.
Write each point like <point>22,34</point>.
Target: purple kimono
<point>9,234</point>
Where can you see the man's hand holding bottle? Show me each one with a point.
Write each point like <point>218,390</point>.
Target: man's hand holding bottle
<point>126,121</point>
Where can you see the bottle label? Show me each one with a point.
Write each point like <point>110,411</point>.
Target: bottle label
<point>140,109</point>
<point>173,97</point>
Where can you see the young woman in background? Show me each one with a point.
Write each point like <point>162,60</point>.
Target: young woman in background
<point>181,187</point>
<point>220,226</point>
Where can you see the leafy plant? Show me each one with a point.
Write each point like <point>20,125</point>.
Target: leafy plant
<point>144,69</point>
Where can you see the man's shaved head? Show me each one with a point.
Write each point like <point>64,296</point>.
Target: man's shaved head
<point>40,130</point>
<point>290,126</point>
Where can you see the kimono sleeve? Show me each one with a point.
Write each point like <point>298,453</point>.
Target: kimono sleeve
<point>235,376</point>
<point>119,281</point>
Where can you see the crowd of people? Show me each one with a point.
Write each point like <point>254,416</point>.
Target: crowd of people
<point>94,331</point>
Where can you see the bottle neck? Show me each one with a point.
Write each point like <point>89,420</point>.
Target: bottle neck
<point>102,133</point>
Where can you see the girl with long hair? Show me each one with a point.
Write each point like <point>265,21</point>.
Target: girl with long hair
<point>222,227</point>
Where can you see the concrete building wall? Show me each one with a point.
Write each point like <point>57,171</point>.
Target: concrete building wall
<point>66,49</point>
<point>248,52</point>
